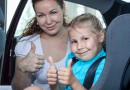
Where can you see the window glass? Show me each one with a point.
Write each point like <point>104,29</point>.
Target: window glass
<point>26,16</point>
<point>73,10</point>
<point>11,7</point>
<point>126,1</point>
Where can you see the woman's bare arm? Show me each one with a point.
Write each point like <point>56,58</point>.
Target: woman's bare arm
<point>25,66</point>
<point>21,78</point>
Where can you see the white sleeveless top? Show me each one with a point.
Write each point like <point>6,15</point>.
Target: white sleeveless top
<point>22,49</point>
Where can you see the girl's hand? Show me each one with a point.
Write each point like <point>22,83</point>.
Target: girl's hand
<point>65,75</point>
<point>52,73</point>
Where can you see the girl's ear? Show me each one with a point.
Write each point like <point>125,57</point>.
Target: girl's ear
<point>101,36</point>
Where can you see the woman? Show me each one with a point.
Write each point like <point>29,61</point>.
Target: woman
<point>45,36</point>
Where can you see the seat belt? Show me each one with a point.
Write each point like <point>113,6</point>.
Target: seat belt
<point>90,74</point>
<point>125,81</point>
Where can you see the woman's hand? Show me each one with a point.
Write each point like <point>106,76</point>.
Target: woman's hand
<point>31,62</point>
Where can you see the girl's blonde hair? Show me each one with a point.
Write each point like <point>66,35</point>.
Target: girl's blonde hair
<point>81,20</point>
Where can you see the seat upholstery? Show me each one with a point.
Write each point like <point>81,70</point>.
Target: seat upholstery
<point>1,18</point>
<point>2,33</point>
<point>118,53</point>
<point>2,41</point>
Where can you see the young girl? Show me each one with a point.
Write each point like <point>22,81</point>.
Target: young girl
<point>87,37</point>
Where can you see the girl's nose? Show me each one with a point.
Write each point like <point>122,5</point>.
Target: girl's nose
<point>81,45</point>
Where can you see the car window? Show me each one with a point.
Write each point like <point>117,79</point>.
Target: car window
<point>72,10</point>
<point>128,1</point>
<point>11,7</point>
<point>27,15</point>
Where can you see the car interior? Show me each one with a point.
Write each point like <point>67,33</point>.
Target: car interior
<point>115,16</point>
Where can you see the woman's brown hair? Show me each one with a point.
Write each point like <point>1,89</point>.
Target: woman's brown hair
<point>32,27</point>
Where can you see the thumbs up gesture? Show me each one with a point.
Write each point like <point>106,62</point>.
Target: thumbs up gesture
<point>31,62</point>
<point>52,72</point>
<point>65,75</point>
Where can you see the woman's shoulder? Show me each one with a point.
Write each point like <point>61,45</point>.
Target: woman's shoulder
<point>24,44</point>
<point>30,37</point>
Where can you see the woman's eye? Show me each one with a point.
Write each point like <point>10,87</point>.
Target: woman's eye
<point>54,12</point>
<point>40,15</point>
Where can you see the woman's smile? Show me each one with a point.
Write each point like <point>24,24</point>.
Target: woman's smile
<point>50,28</point>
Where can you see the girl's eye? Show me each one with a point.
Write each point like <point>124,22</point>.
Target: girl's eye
<point>73,42</point>
<point>85,38</point>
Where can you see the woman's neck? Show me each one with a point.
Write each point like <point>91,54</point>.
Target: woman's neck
<point>61,34</point>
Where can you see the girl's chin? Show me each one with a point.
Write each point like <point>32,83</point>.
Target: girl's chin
<point>85,58</point>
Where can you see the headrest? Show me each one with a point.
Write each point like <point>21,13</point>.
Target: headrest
<point>1,18</point>
<point>101,5</point>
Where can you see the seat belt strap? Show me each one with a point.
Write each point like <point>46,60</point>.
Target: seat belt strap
<point>90,74</point>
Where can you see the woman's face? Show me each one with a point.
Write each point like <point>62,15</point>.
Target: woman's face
<point>85,43</point>
<point>49,16</point>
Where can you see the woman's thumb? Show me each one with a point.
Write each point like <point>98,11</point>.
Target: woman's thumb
<point>33,47</point>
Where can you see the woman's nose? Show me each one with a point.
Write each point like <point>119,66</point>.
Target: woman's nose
<point>48,19</point>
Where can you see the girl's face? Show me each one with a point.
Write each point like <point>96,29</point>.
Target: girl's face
<point>85,43</point>
<point>49,16</point>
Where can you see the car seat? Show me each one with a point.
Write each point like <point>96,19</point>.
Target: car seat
<point>118,55</point>
<point>2,41</point>
<point>2,33</point>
